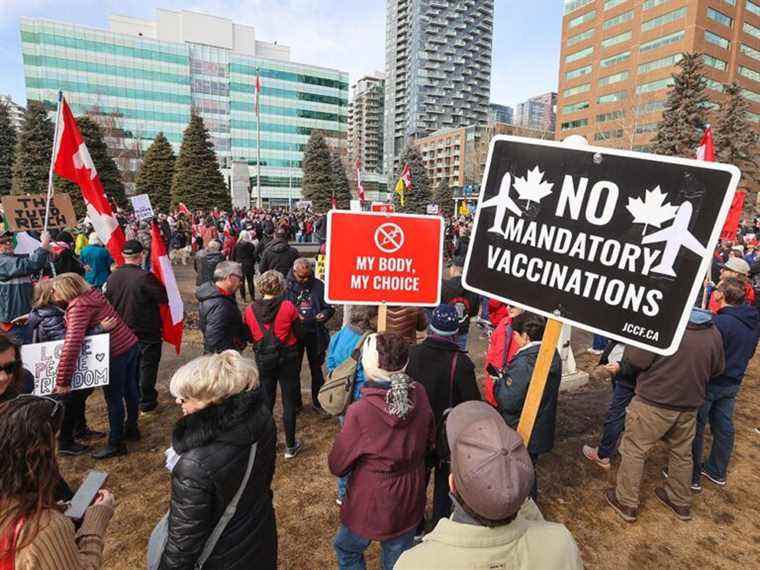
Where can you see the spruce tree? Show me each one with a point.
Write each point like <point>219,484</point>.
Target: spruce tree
<point>197,181</point>
<point>7,149</point>
<point>419,195</point>
<point>34,145</point>
<point>679,131</point>
<point>156,172</point>
<point>736,138</point>
<point>341,186</point>
<point>444,197</point>
<point>318,175</point>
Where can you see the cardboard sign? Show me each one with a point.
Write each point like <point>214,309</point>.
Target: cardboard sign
<point>382,207</point>
<point>25,213</point>
<point>612,241</point>
<point>432,209</point>
<point>379,258</point>
<point>141,206</point>
<point>91,371</point>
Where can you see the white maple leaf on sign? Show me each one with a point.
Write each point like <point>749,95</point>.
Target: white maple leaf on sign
<point>532,188</point>
<point>652,210</point>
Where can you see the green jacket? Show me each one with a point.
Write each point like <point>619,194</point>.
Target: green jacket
<point>527,543</point>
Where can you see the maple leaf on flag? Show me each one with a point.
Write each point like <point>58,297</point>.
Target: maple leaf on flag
<point>652,210</point>
<point>532,188</point>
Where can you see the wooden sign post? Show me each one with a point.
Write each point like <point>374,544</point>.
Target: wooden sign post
<point>382,317</point>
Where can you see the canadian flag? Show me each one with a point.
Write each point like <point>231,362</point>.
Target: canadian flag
<point>359,185</point>
<point>173,313</point>
<point>706,149</point>
<point>73,162</point>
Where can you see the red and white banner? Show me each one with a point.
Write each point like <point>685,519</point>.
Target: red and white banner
<point>173,313</point>
<point>73,162</point>
<point>731,226</point>
<point>359,185</point>
<point>706,149</point>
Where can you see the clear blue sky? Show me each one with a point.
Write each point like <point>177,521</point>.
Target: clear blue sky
<point>343,34</point>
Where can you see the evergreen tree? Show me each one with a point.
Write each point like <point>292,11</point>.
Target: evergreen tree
<point>419,195</point>
<point>34,145</point>
<point>197,181</point>
<point>680,129</point>
<point>156,172</point>
<point>736,139</point>
<point>444,197</point>
<point>7,149</point>
<point>341,186</point>
<point>318,174</point>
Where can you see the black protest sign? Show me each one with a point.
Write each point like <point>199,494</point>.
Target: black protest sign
<point>612,241</point>
<point>27,213</point>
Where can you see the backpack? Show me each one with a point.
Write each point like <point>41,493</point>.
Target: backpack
<point>268,349</point>
<point>462,305</point>
<point>337,392</point>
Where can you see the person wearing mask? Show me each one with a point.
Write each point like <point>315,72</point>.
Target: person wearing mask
<point>495,524</point>
<point>86,307</point>
<point>385,439</point>
<point>466,302</point>
<point>669,391</point>
<point>448,375</point>
<point>34,533</point>
<point>278,254</point>
<point>512,388</point>
<point>307,293</point>
<point>225,425</point>
<point>16,287</point>
<point>274,327</point>
<point>219,317</point>
<point>205,262</point>
<point>137,295</point>
<point>738,325</point>
<point>245,254</point>
<point>97,262</point>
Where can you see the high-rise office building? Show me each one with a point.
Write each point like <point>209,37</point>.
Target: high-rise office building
<point>365,133</point>
<point>145,77</point>
<point>15,111</point>
<point>618,58</point>
<point>438,69</point>
<point>538,112</point>
<point>500,114</point>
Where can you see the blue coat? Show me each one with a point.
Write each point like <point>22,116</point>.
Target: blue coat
<point>309,300</point>
<point>16,283</point>
<point>739,325</point>
<point>341,346</point>
<point>47,323</point>
<point>98,261</point>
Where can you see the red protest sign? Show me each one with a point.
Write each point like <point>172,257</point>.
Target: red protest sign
<point>382,207</point>
<point>379,258</point>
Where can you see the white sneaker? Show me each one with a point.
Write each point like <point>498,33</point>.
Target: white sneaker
<point>291,452</point>
<point>594,351</point>
<point>591,453</point>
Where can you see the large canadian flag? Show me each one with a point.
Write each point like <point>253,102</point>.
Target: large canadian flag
<point>73,162</point>
<point>173,313</point>
<point>706,148</point>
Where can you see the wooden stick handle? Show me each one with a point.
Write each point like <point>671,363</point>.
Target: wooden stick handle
<point>382,317</point>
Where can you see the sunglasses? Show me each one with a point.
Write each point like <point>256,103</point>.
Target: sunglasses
<point>57,404</point>
<point>9,368</point>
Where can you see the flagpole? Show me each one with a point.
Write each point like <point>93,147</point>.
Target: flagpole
<point>258,139</point>
<point>52,161</point>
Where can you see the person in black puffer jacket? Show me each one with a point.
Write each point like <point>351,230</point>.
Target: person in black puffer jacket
<point>205,262</point>
<point>278,254</point>
<point>224,416</point>
<point>219,317</point>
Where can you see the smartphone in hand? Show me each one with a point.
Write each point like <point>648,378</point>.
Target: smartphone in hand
<point>86,494</point>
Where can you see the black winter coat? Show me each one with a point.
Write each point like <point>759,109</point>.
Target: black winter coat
<point>219,318</point>
<point>136,295</point>
<point>205,262</point>
<point>215,444</point>
<point>309,300</point>
<point>46,323</point>
<point>245,254</point>
<point>278,255</point>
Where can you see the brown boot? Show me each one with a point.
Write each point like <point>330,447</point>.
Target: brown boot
<point>626,513</point>
<point>683,513</point>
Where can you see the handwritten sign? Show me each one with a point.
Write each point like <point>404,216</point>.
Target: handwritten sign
<point>91,371</point>
<point>25,213</point>
<point>141,205</point>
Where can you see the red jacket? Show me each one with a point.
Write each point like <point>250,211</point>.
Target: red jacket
<point>386,458</point>
<point>83,313</point>
<point>283,324</point>
<point>497,311</point>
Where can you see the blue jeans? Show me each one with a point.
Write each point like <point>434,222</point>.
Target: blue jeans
<point>123,387</point>
<point>350,547</point>
<point>484,307</point>
<point>462,341</point>
<point>342,481</point>
<point>614,421</point>
<point>719,410</point>
<point>600,342</point>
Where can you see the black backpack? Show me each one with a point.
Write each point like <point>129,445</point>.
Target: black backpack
<point>268,349</point>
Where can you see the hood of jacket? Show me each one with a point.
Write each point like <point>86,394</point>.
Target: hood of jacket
<point>233,421</point>
<point>209,291</point>
<point>746,314</point>
<point>50,311</point>
<point>266,309</point>
<point>278,245</point>
<point>375,393</point>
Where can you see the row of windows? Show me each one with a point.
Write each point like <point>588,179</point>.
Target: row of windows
<point>717,40</point>
<point>615,59</point>
<point>649,4</point>
<point>614,78</point>
<point>714,85</point>
<point>582,37</point>
<point>719,17</point>
<point>666,61</point>
<point>579,54</point>
<point>572,5</point>
<point>612,116</point>
<point>576,90</point>
<point>288,112</point>
<point>662,20</point>
<point>576,124</point>
<point>609,4</point>
<point>588,16</point>
<point>751,95</point>
<point>104,69</point>
<point>606,135</point>
<point>662,41</point>
<point>288,94</point>
<point>718,64</point>
<point>612,97</point>
<point>617,20</point>
<point>750,52</point>
<point>650,107</point>
<point>654,85</point>
<point>646,128</point>
<point>236,67</point>
<point>749,72</point>
<point>586,69</point>
<point>752,7</point>
<point>618,39</point>
<point>575,107</point>
<point>751,30</point>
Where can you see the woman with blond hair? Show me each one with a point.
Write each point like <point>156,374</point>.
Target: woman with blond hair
<point>222,463</point>
<point>85,308</point>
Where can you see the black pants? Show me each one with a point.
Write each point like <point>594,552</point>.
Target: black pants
<point>150,358</point>
<point>441,498</point>
<point>534,489</point>
<point>248,277</point>
<point>287,376</point>
<point>315,349</point>
<point>75,403</point>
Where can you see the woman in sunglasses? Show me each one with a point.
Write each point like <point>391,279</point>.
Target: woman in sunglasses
<point>13,381</point>
<point>34,533</point>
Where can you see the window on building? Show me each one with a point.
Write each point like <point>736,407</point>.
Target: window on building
<point>617,20</point>
<point>716,40</point>
<point>751,30</point>
<point>649,4</point>
<point>650,107</point>
<point>654,85</point>
<point>576,124</point>
<point>754,117</point>
<point>612,116</point>
<point>714,85</point>
<point>579,54</point>
<point>731,2</point>
<point>751,95</point>
<point>752,7</point>
<point>582,19</point>
<point>749,72</point>
<point>662,41</point>
<point>664,19</point>
<point>585,70</point>
<point>614,78</point>
<point>582,37</point>
<point>576,90</point>
<point>609,4</point>
<point>718,64</point>
<point>666,61</point>
<point>615,59</point>
<point>618,39</point>
<point>750,52</point>
<point>572,5</point>
<point>612,97</point>
<point>719,17</point>
<point>575,107</point>
<point>646,128</point>
<point>607,135</point>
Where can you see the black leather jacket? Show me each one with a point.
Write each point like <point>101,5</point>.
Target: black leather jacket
<point>219,319</point>
<point>214,444</point>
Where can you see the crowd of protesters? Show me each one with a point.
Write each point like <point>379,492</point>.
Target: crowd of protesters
<point>417,414</point>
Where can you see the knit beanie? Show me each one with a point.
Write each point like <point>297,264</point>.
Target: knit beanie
<point>445,320</point>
